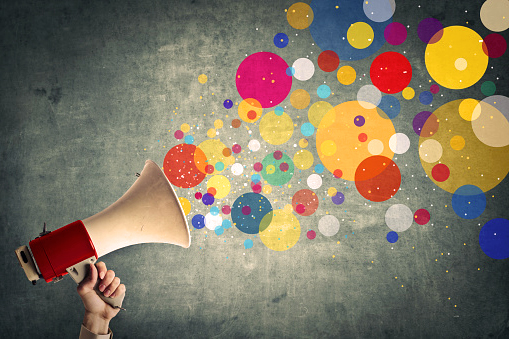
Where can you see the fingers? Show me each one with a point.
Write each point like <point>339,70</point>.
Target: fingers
<point>112,287</point>
<point>119,291</point>
<point>90,280</point>
<point>101,269</point>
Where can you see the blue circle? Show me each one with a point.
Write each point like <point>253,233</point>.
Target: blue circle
<point>198,221</point>
<point>189,139</point>
<point>279,111</point>
<point>256,178</point>
<point>307,129</point>
<point>214,210</point>
<point>330,25</point>
<point>228,104</point>
<point>281,40</point>
<point>392,237</point>
<point>248,243</point>
<point>219,166</point>
<point>323,91</point>
<point>319,168</point>
<point>226,224</point>
<point>468,202</point>
<point>207,199</point>
<point>494,238</point>
<point>259,207</point>
<point>426,97</point>
<point>390,105</point>
<point>219,230</point>
<point>290,71</point>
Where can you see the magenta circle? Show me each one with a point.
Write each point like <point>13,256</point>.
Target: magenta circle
<point>178,134</point>
<point>311,235</point>
<point>246,210</point>
<point>395,33</point>
<point>226,209</point>
<point>434,88</point>
<point>258,166</point>
<point>278,155</point>
<point>236,148</point>
<point>262,76</point>
<point>284,166</point>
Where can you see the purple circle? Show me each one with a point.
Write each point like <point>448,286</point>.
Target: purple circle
<point>236,148</point>
<point>258,166</point>
<point>228,104</point>
<point>179,134</point>
<point>419,121</point>
<point>278,155</point>
<point>434,89</point>
<point>284,166</point>
<point>359,121</point>
<point>198,221</point>
<point>395,33</point>
<point>207,199</point>
<point>246,210</point>
<point>426,98</point>
<point>338,198</point>
<point>428,28</point>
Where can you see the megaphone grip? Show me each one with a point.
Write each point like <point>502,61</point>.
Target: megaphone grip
<point>115,302</point>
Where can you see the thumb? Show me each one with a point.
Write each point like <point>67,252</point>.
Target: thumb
<point>89,282</point>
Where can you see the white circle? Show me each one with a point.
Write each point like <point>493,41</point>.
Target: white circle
<point>254,145</point>
<point>328,225</point>
<point>237,169</point>
<point>375,147</point>
<point>460,64</point>
<point>369,96</point>
<point>314,181</point>
<point>212,221</point>
<point>399,217</point>
<point>399,143</point>
<point>304,69</point>
<point>430,151</point>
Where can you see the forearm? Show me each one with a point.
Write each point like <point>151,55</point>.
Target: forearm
<point>95,323</point>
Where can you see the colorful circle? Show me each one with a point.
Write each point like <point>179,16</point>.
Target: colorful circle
<point>398,217</point>
<point>281,40</point>
<point>468,202</point>
<point>281,230</point>
<point>248,210</point>
<point>390,72</point>
<point>377,178</point>
<point>328,61</point>
<point>422,216</point>
<point>299,15</point>
<point>184,165</point>
<point>277,171</point>
<point>395,33</point>
<point>494,238</point>
<point>346,75</point>
<point>305,202</point>
<point>274,129</point>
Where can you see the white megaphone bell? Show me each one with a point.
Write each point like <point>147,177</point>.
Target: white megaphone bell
<point>149,212</point>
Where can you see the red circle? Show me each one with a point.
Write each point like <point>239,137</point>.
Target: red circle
<point>328,61</point>
<point>198,195</point>
<point>363,137</point>
<point>422,216</point>
<point>305,202</point>
<point>377,178</point>
<point>184,165</point>
<point>338,173</point>
<point>212,191</point>
<point>440,172</point>
<point>236,148</point>
<point>251,115</point>
<point>390,72</point>
<point>494,45</point>
<point>311,235</point>
<point>257,188</point>
<point>226,209</point>
<point>209,169</point>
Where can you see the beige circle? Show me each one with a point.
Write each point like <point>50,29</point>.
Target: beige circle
<point>495,15</point>
<point>460,64</point>
<point>375,147</point>
<point>430,151</point>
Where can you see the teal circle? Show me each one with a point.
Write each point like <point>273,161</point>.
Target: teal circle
<point>272,171</point>
<point>189,139</point>
<point>219,166</point>
<point>323,91</point>
<point>488,88</point>
<point>279,111</point>
<point>307,129</point>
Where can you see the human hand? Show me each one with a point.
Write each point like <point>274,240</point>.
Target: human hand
<point>98,313</point>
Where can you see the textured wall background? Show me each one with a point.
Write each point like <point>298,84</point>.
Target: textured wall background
<point>88,91</point>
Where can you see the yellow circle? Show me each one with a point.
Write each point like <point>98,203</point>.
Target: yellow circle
<point>283,231</point>
<point>221,184</point>
<point>250,110</point>
<point>332,191</point>
<point>469,109</point>
<point>317,111</point>
<point>202,78</point>
<point>276,129</point>
<point>408,93</point>
<point>267,189</point>
<point>457,60</point>
<point>211,133</point>
<point>457,142</point>
<point>185,204</point>
<point>288,208</point>
<point>299,15</point>
<point>360,35</point>
<point>213,150</point>
<point>303,143</point>
<point>218,124</point>
<point>346,75</point>
<point>328,148</point>
<point>300,98</point>
<point>185,128</point>
<point>303,159</point>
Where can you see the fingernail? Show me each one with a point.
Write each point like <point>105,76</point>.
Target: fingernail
<point>102,275</point>
<point>107,293</point>
<point>101,287</point>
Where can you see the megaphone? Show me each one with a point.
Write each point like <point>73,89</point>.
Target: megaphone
<point>149,212</point>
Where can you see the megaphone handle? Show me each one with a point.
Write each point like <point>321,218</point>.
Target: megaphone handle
<point>79,271</point>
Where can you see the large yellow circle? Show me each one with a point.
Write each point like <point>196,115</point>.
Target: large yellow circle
<point>457,60</point>
<point>282,233</point>
<point>276,129</point>
<point>360,35</point>
<point>299,15</point>
<point>221,184</point>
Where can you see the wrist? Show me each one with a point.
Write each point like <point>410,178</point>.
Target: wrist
<point>95,323</point>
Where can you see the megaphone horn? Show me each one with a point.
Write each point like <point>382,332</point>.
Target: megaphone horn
<point>149,212</point>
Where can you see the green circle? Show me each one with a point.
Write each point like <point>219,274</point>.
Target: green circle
<point>272,171</point>
<point>488,88</point>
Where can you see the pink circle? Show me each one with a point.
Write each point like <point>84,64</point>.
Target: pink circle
<point>236,148</point>
<point>311,235</point>
<point>246,210</point>
<point>434,89</point>
<point>284,166</point>
<point>278,155</point>
<point>262,76</point>
<point>226,209</point>
<point>258,166</point>
<point>257,188</point>
<point>197,195</point>
<point>300,208</point>
<point>395,33</point>
<point>178,134</point>
<point>422,216</point>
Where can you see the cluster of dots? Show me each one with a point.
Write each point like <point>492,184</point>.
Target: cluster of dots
<point>355,140</point>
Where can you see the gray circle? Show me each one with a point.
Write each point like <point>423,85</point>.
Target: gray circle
<point>399,217</point>
<point>328,225</point>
